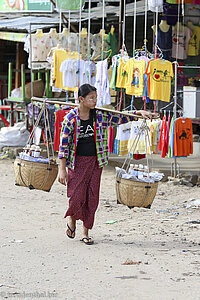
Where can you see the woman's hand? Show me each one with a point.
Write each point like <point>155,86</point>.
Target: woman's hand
<point>147,114</point>
<point>62,176</point>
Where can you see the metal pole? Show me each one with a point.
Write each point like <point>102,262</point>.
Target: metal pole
<point>121,9</point>
<point>175,110</point>
<point>60,23</point>
<point>31,58</point>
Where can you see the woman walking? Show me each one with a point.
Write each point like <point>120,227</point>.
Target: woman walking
<point>84,151</point>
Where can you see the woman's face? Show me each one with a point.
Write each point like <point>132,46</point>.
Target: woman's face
<point>90,100</point>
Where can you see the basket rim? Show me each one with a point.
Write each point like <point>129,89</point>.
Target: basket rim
<point>133,181</point>
<point>37,162</point>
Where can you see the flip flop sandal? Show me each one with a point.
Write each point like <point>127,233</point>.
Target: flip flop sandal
<point>87,241</point>
<point>72,231</point>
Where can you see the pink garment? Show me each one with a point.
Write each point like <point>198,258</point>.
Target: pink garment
<point>83,189</point>
<point>110,139</point>
<point>196,2</point>
<point>162,142</point>
<point>167,134</point>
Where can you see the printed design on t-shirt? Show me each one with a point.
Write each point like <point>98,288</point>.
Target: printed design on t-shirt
<point>89,131</point>
<point>136,77</point>
<point>180,40</point>
<point>185,134</point>
<point>160,76</point>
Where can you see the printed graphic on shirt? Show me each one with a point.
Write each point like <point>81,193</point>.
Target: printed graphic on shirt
<point>185,134</point>
<point>136,77</point>
<point>160,76</point>
<point>88,132</point>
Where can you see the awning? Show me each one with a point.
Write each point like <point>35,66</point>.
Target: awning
<point>13,36</point>
<point>22,23</point>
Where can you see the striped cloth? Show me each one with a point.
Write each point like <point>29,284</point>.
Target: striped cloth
<point>71,130</point>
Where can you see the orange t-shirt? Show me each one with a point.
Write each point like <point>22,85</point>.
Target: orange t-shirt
<point>183,137</point>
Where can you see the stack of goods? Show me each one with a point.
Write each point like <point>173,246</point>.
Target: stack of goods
<point>139,173</point>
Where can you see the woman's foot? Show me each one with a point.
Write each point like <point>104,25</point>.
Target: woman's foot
<point>85,238</point>
<point>71,228</point>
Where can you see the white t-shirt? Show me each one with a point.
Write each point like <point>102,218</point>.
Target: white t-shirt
<point>69,68</point>
<point>181,41</point>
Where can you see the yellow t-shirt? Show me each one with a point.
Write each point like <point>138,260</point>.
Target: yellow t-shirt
<point>121,74</point>
<point>159,74</point>
<point>193,47</point>
<point>135,82</point>
<point>59,57</point>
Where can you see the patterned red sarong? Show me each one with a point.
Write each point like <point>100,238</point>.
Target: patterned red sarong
<point>83,189</point>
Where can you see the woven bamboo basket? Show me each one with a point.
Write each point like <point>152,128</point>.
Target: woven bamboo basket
<point>35,175</point>
<point>134,193</point>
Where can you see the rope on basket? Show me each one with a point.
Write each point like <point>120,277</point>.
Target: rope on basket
<point>143,128</point>
<point>47,130</point>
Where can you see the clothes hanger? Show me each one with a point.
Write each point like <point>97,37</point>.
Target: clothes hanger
<point>109,54</point>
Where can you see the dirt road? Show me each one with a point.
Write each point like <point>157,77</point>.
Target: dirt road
<point>39,261</point>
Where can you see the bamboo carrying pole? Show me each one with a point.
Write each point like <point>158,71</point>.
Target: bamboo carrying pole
<point>76,104</point>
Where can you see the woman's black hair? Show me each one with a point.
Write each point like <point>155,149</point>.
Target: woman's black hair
<point>85,89</point>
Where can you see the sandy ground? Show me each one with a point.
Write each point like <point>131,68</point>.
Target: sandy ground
<point>39,261</point>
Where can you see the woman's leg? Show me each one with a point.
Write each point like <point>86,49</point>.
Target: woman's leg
<point>92,202</point>
<point>83,190</point>
<point>71,227</point>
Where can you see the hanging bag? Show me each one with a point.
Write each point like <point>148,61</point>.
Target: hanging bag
<point>37,173</point>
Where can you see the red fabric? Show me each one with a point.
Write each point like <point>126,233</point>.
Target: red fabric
<point>83,189</point>
<point>162,143</point>
<point>110,139</point>
<point>139,156</point>
<point>167,133</point>
<point>60,114</point>
<point>183,137</point>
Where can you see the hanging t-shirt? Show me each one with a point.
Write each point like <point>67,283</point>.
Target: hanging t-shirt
<point>63,40</point>
<point>97,47</point>
<point>155,5</point>
<point>165,42</point>
<point>170,149</point>
<point>73,42</point>
<point>116,142</point>
<point>112,44</point>
<point>69,68</point>
<point>167,133</point>
<point>40,50</point>
<point>140,147</point>
<point>122,75</point>
<point>181,41</point>
<point>159,74</point>
<point>135,82</point>
<point>124,135</point>
<point>60,114</point>
<point>183,137</point>
<point>53,39</point>
<point>84,46</point>
<point>193,47</point>
<point>102,83</point>
<point>162,142</point>
<point>59,57</point>
<point>111,138</point>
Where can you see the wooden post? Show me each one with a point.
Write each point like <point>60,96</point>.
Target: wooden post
<point>9,79</point>
<point>19,61</point>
